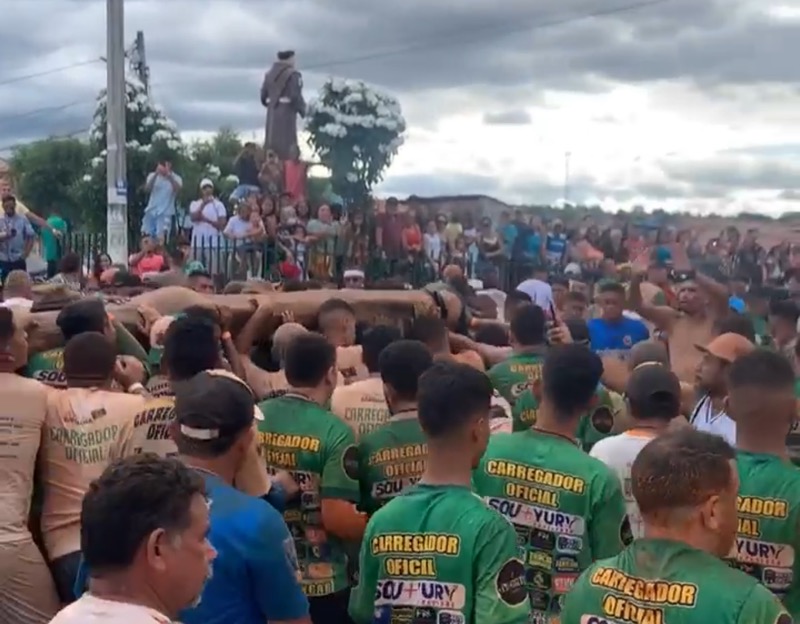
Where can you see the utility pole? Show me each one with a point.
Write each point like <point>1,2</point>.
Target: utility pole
<point>567,156</point>
<point>116,165</point>
<point>139,62</point>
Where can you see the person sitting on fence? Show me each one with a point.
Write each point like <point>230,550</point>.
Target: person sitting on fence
<point>148,260</point>
<point>69,273</point>
<point>246,231</point>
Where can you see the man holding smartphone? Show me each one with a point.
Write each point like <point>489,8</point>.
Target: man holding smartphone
<point>16,238</point>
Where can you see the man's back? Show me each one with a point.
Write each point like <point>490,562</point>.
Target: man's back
<point>361,405</point>
<point>82,433</point>
<point>391,459</point>
<point>566,507</point>
<point>22,415</point>
<point>767,540</point>
<point>667,582</point>
<point>438,554</point>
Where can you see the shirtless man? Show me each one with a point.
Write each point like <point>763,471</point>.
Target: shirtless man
<point>27,593</point>
<point>701,301</point>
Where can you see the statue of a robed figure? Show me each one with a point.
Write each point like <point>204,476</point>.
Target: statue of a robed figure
<point>282,95</point>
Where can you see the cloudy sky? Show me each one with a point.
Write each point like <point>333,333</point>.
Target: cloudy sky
<point>687,104</point>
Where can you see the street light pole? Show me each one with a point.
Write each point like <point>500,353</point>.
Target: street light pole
<point>567,156</point>
<point>116,165</point>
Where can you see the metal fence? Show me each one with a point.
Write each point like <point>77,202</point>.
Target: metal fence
<point>281,258</point>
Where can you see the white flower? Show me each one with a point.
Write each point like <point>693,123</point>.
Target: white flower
<point>232,179</point>
<point>213,171</point>
<point>87,178</point>
<point>352,177</point>
<point>148,121</point>
<point>97,161</point>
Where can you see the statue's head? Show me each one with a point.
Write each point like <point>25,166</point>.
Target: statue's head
<point>286,56</point>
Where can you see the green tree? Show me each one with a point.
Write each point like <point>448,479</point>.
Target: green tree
<point>45,172</point>
<point>151,137</point>
<point>356,132</point>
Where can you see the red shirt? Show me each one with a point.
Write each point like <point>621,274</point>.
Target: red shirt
<point>412,237</point>
<point>148,264</point>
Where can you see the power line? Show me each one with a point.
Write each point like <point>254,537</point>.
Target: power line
<point>39,111</point>
<point>67,135</point>
<point>441,40</point>
<point>47,72</point>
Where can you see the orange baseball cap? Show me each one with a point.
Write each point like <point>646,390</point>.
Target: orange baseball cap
<point>728,347</point>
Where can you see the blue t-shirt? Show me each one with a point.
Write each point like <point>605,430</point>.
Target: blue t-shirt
<point>509,233</point>
<point>162,196</point>
<point>255,574</point>
<point>534,244</point>
<point>616,338</point>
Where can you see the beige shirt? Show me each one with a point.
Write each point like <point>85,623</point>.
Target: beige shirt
<point>89,609</point>
<point>150,430</point>
<point>350,364</point>
<point>83,428</point>
<point>361,405</point>
<point>22,414</point>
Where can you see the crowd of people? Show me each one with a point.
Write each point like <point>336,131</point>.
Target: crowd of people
<point>594,423</point>
<point>578,448</point>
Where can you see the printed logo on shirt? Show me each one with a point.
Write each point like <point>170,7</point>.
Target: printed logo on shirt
<point>569,545</point>
<point>762,553</point>
<point>538,579</point>
<point>564,582</point>
<point>602,420</point>
<point>350,462</point>
<point>390,489</point>
<point>424,615</point>
<point>567,564</point>
<point>448,617</point>
<point>510,583</point>
<point>54,378</point>
<point>777,578</point>
<point>420,594</point>
<point>539,617</point>
<point>539,600</point>
<point>539,559</point>
<point>544,539</point>
<point>596,619</point>
<point>538,517</point>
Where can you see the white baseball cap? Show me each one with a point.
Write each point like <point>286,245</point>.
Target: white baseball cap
<point>206,182</point>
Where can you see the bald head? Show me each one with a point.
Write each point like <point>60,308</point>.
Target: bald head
<point>452,271</point>
<point>282,337</point>
<point>648,352</point>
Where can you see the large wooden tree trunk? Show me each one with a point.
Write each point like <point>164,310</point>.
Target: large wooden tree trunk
<point>373,306</point>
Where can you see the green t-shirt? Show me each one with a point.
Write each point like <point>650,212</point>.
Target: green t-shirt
<point>767,540</point>
<point>47,367</point>
<point>661,581</point>
<point>319,451</point>
<point>598,422</point>
<point>761,327</point>
<point>793,439</point>
<point>391,458</point>
<point>566,507</point>
<point>438,554</point>
<point>518,380</point>
<point>50,244</point>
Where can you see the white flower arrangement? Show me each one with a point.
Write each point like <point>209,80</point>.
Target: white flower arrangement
<point>356,131</point>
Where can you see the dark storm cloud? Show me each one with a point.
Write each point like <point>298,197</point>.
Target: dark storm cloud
<point>508,118</point>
